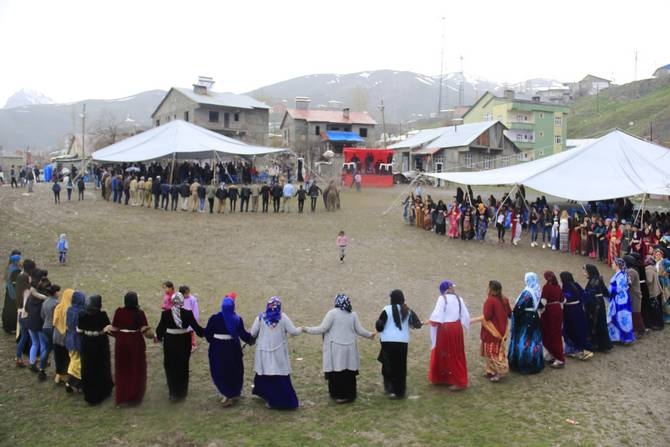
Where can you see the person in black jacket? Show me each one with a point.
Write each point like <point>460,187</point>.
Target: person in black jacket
<point>277,192</point>
<point>245,194</point>
<point>265,197</point>
<point>301,194</point>
<point>185,193</point>
<point>314,192</point>
<point>156,190</point>
<point>221,196</point>
<point>165,195</point>
<point>232,197</point>
<point>174,197</point>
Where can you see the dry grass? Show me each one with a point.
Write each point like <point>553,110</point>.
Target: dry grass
<point>618,399</point>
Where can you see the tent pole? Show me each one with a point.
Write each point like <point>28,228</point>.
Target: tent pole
<point>174,156</point>
<point>641,211</point>
<point>402,193</point>
<point>506,199</point>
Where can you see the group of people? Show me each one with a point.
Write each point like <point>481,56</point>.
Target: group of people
<point>548,323</point>
<point>158,193</point>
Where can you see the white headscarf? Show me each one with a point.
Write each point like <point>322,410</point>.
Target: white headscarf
<point>177,301</point>
<point>532,287</point>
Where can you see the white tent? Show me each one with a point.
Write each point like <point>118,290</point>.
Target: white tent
<point>615,165</point>
<point>177,139</point>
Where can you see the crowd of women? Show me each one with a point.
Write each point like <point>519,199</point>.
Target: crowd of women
<point>548,323</point>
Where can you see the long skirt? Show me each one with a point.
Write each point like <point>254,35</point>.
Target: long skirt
<point>495,358</point>
<point>525,349</point>
<point>596,316</point>
<point>574,241</point>
<point>74,370</point>
<point>226,366</point>
<point>176,357</point>
<point>563,240</point>
<point>277,391</point>
<point>393,357</point>
<point>130,367</point>
<point>61,358</point>
<point>575,328</point>
<point>652,312</point>
<point>447,359</point>
<point>620,319</point>
<point>551,323</point>
<point>342,384</point>
<point>96,368</point>
<point>9,314</point>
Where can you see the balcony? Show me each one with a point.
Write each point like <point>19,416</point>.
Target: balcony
<point>521,125</point>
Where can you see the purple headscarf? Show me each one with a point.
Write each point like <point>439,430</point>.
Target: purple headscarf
<point>446,285</point>
<point>272,313</point>
<point>231,319</point>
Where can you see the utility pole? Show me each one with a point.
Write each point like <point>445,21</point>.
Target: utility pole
<point>381,108</point>
<point>439,99</point>
<point>83,141</point>
<point>635,79</point>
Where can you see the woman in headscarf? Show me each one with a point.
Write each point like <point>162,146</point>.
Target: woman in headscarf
<point>61,356</point>
<point>450,316</point>
<point>551,321</point>
<point>173,331</point>
<point>272,364</point>
<point>33,306</point>
<point>129,327</point>
<point>663,269</point>
<point>619,313</point>
<point>223,332</point>
<point>340,352</point>
<point>393,326</point>
<point>655,307</point>
<point>9,308</point>
<point>96,367</point>
<point>596,309</point>
<point>575,327</point>
<point>495,332</point>
<point>525,350</point>
<point>73,342</point>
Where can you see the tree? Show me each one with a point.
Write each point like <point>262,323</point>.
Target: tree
<point>106,129</point>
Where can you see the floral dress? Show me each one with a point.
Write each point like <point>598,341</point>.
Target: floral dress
<point>619,312</point>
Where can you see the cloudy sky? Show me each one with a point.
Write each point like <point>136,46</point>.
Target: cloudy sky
<point>80,49</point>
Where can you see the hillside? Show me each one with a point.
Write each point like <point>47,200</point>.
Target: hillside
<point>45,126</point>
<point>640,108</point>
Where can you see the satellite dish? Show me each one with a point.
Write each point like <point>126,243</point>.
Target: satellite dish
<point>328,154</point>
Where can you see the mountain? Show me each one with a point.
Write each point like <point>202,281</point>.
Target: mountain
<point>25,97</point>
<point>407,96</point>
<point>43,127</point>
<point>640,108</point>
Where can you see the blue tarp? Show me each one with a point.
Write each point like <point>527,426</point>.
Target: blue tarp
<point>48,172</point>
<point>338,135</point>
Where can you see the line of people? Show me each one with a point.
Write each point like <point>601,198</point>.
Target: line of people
<point>547,324</point>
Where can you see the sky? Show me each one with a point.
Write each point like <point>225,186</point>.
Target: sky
<point>73,50</point>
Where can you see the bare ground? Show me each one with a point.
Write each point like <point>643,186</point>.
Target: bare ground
<point>621,398</point>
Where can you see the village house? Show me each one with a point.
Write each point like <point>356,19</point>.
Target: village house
<point>537,128</point>
<point>309,131</point>
<point>235,116</point>
<point>474,146</point>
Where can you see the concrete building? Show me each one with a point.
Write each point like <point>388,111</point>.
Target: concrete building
<point>663,71</point>
<point>591,85</point>
<point>473,146</point>
<point>538,129</point>
<point>236,116</point>
<point>309,132</point>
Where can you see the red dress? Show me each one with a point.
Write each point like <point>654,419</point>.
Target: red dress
<point>447,360</point>
<point>551,321</point>
<point>130,361</point>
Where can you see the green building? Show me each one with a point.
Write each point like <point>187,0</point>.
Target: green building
<point>538,129</point>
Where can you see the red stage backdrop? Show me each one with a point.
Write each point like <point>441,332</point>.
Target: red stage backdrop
<point>374,166</point>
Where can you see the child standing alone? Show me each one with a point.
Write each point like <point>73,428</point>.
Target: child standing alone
<point>62,247</point>
<point>342,242</point>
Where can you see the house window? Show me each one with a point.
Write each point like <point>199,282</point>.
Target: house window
<point>541,134</point>
<point>347,128</point>
<point>541,115</point>
<point>488,116</point>
<point>226,119</point>
<point>467,159</point>
<point>363,132</point>
<point>174,117</point>
<point>557,139</point>
<point>505,161</point>
<point>519,138</point>
<point>186,116</point>
<point>317,130</point>
<point>158,123</point>
<point>213,116</point>
<point>487,162</point>
<point>236,117</point>
<point>540,153</point>
<point>558,121</point>
<point>483,139</point>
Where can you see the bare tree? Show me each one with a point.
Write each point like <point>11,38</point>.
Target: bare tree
<point>107,129</point>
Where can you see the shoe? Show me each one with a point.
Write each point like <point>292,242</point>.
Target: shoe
<point>19,363</point>
<point>557,364</point>
<point>342,401</point>
<point>68,388</point>
<point>34,368</point>
<point>495,378</point>
<point>585,355</point>
<point>227,402</point>
<point>392,396</point>
<point>42,376</point>
<point>544,245</point>
<point>456,387</point>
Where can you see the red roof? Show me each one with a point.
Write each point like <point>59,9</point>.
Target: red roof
<point>331,116</point>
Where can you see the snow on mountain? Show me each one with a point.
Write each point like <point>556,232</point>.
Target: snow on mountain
<point>26,97</point>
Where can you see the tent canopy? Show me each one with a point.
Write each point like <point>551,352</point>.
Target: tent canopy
<point>615,165</point>
<point>185,140</point>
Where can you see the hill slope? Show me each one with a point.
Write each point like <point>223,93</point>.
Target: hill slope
<point>641,108</point>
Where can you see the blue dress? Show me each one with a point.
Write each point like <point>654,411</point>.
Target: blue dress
<point>575,326</point>
<point>525,348</point>
<point>225,356</point>
<point>619,312</point>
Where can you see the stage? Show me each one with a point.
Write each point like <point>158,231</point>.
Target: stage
<point>370,181</point>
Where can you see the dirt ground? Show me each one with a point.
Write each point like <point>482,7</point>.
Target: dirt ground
<point>621,398</point>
